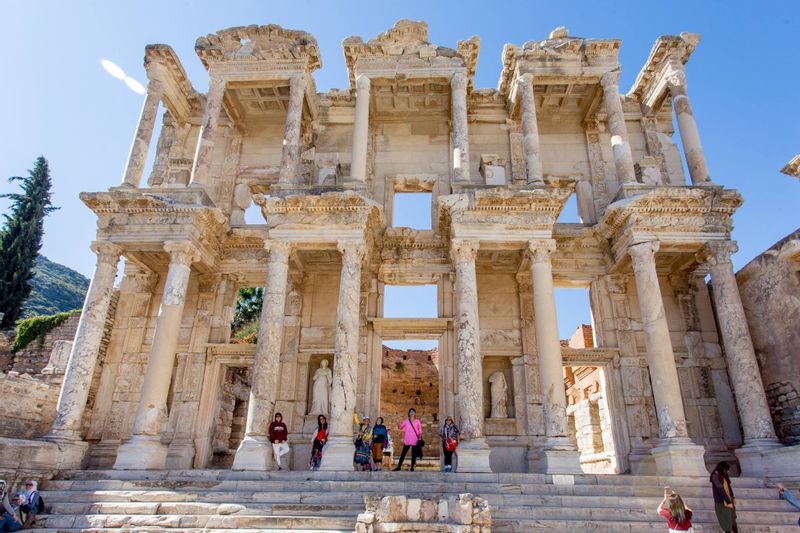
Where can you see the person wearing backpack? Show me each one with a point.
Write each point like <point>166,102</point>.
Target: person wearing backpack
<point>412,438</point>
<point>449,435</point>
<point>33,503</point>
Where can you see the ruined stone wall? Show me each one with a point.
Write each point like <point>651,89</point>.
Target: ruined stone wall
<point>29,405</point>
<point>410,378</point>
<point>770,290</point>
<point>33,358</point>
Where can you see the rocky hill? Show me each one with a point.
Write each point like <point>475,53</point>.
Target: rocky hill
<point>56,288</point>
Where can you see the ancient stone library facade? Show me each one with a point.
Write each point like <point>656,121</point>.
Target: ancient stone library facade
<point>669,364</point>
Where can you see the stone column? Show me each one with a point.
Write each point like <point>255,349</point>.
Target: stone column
<point>458,105</point>
<point>473,453</point>
<point>675,453</point>
<point>255,451</point>
<point>208,132</point>
<point>623,159</point>
<point>754,413</point>
<point>144,450</point>
<point>690,137</point>
<point>85,348</point>
<point>290,158</point>
<point>338,454</point>
<point>358,162</point>
<point>560,455</point>
<point>144,132</point>
<point>530,130</point>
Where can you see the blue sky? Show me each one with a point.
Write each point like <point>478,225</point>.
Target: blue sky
<point>59,102</point>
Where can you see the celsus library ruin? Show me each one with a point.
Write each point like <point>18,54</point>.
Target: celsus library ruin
<point>664,381</point>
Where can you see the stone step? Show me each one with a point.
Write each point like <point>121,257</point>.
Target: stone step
<point>571,526</point>
<point>115,521</point>
<point>198,508</point>
<point>349,529</point>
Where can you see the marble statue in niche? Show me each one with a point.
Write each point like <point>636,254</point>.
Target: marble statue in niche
<point>320,391</point>
<point>498,389</point>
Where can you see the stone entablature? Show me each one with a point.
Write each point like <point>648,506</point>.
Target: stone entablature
<point>499,166</point>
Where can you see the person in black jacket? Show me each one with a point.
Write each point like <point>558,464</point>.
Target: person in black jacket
<point>724,500</point>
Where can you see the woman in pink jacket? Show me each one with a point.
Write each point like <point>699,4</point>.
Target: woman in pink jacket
<point>412,434</point>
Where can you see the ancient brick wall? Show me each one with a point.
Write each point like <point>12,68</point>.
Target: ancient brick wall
<point>29,405</point>
<point>33,358</point>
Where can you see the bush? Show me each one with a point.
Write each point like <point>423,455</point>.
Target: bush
<point>37,327</point>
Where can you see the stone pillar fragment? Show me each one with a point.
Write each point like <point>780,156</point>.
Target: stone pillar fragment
<point>458,105</point>
<point>754,413</point>
<point>338,454</point>
<point>473,453</point>
<point>208,132</point>
<point>144,450</point>
<point>358,162</point>
<point>690,137</point>
<point>255,452</point>
<point>560,455</point>
<point>86,346</point>
<point>530,130</point>
<point>144,132</point>
<point>623,158</point>
<point>290,157</point>
<point>675,453</point>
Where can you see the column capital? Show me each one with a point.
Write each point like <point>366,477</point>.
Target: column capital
<point>181,252</point>
<point>610,78</point>
<point>675,73</point>
<point>353,251</point>
<point>155,87</point>
<point>297,81</point>
<point>717,252</point>
<point>363,83</point>
<point>525,80</point>
<point>459,81</point>
<point>539,251</point>
<point>279,250</point>
<point>643,252</point>
<point>464,250</point>
<point>216,84</point>
<point>107,252</point>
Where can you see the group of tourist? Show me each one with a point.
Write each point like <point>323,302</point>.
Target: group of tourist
<point>679,516</point>
<point>373,442</point>
<point>20,509</point>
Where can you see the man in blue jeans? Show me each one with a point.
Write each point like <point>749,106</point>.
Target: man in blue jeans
<point>786,494</point>
<point>13,521</point>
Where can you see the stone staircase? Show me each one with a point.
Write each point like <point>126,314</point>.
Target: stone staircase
<point>302,502</point>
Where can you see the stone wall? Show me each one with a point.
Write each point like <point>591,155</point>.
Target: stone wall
<point>770,290</point>
<point>231,416</point>
<point>410,378</point>
<point>29,405</point>
<point>33,358</point>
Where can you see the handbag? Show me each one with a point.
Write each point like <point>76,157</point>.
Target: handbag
<point>450,445</point>
<point>418,447</point>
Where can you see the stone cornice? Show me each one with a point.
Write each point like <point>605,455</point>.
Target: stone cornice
<point>792,168</point>
<point>180,98</point>
<point>405,48</point>
<point>650,84</point>
<point>258,43</point>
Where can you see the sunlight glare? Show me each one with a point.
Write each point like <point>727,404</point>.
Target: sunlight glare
<point>113,69</point>
<point>134,85</point>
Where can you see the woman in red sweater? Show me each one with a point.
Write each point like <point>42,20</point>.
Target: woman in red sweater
<point>678,516</point>
<point>278,436</point>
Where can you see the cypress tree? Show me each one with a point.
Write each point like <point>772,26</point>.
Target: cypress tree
<point>21,238</point>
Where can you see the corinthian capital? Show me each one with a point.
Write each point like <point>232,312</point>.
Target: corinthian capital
<point>717,252</point>
<point>464,250</point>
<point>107,252</point>
<point>362,83</point>
<point>643,252</point>
<point>539,251</point>
<point>278,250</point>
<point>353,252</point>
<point>675,74</point>
<point>610,79</point>
<point>459,81</point>
<point>181,252</point>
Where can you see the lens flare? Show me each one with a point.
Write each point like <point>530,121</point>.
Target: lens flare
<point>134,85</point>
<point>113,69</point>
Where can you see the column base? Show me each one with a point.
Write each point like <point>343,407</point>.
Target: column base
<point>71,452</point>
<point>141,452</point>
<point>555,456</point>
<point>679,457</point>
<point>338,454</point>
<point>254,453</point>
<point>751,456</point>
<point>473,456</point>
<point>180,455</point>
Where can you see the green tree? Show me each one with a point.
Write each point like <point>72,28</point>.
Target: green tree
<point>248,307</point>
<point>21,238</point>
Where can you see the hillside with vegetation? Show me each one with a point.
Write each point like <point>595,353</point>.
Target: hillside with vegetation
<point>55,288</point>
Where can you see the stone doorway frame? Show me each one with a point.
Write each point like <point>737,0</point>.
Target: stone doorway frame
<point>607,360</point>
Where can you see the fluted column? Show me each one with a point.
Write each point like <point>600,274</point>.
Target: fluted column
<point>473,453</point>
<point>338,453</point>
<point>85,348</point>
<point>255,452</point>
<point>144,133</point>
<point>754,413</point>
<point>675,454</point>
<point>144,449</point>
<point>560,455</point>
<point>530,130</point>
<point>208,132</point>
<point>623,158</point>
<point>690,137</point>
<point>358,162</point>
<point>458,105</point>
<point>290,158</point>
